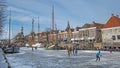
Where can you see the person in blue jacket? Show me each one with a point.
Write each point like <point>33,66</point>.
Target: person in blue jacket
<point>98,55</point>
<point>76,51</point>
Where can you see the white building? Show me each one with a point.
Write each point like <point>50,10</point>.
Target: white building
<point>111,37</point>
<point>111,33</point>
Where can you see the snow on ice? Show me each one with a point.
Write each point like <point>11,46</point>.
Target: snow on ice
<point>42,58</point>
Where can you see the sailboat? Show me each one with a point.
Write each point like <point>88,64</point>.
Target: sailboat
<point>12,48</point>
<point>37,44</point>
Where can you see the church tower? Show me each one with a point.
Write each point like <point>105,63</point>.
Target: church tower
<point>68,27</point>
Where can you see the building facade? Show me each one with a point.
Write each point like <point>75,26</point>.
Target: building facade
<point>111,37</point>
<point>89,36</point>
<point>111,33</point>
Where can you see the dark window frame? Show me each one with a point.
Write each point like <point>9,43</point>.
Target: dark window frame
<point>118,36</point>
<point>113,37</point>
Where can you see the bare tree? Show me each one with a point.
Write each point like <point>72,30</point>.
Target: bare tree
<point>2,15</point>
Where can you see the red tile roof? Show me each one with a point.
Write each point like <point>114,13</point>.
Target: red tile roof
<point>98,25</point>
<point>87,25</point>
<point>94,24</point>
<point>114,21</point>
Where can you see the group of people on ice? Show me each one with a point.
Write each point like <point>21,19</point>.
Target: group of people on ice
<point>74,51</point>
<point>71,50</point>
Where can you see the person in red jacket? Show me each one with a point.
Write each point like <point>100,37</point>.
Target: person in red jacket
<point>110,50</point>
<point>36,47</point>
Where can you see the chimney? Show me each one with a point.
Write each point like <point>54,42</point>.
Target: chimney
<point>112,14</point>
<point>93,21</point>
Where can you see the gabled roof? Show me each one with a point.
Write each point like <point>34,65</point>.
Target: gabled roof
<point>98,25</point>
<point>94,24</point>
<point>87,25</point>
<point>114,21</point>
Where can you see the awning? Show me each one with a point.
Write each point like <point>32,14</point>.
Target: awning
<point>91,38</point>
<point>81,38</point>
<point>75,39</point>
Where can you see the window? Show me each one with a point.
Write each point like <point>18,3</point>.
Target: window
<point>113,38</point>
<point>118,36</point>
<point>83,33</point>
<point>115,30</point>
<point>119,29</point>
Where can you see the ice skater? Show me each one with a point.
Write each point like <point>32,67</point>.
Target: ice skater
<point>36,47</point>
<point>32,48</point>
<point>69,51</point>
<point>76,51</point>
<point>98,55</point>
<point>111,50</point>
<point>73,50</point>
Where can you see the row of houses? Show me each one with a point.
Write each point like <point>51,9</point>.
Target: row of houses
<point>93,35</point>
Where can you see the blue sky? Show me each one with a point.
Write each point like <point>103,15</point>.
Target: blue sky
<point>78,12</point>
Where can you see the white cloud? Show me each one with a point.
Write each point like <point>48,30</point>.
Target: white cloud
<point>24,19</point>
<point>25,16</point>
<point>14,9</point>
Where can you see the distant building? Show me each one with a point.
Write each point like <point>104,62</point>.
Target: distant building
<point>69,31</point>
<point>77,28</point>
<point>75,37</point>
<point>90,34</point>
<point>94,35</point>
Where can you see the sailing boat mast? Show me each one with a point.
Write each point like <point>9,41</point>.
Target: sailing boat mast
<point>38,29</point>
<point>32,29</point>
<point>9,27</point>
<point>53,23</point>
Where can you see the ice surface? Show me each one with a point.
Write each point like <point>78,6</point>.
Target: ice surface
<point>42,58</point>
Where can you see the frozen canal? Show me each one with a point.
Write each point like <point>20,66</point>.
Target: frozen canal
<point>42,58</point>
